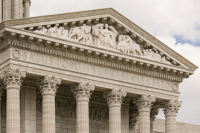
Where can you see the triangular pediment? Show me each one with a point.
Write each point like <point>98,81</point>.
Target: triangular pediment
<point>104,29</point>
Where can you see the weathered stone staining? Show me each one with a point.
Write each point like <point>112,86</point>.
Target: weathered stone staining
<point>86,72</point>
<point>104,36</point>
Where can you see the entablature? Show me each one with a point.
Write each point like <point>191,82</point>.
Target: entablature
<point>99,56</point>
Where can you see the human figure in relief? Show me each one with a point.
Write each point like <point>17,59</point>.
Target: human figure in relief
<point>81,34</point>
<point>127,45</point>
<point>104,37</point>
<point>109,38</point>
<point>53,31</point>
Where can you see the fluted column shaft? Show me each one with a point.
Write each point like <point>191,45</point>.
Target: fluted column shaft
<point>48,86</point>
<point>82,92</point>
<point>115,118</point>
<point>27,8</point>
<point>7,9</point>
<point>20,8</point>
<point>144,104</point>
<point>48,113</point>
<point>82,115</point>
<point>16,9</point>
<point>171,108</point>
<point>12,80</point>
<point>114,99</point>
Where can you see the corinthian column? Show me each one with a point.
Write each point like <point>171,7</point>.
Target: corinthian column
<point>144,104</point>
<point>48,86</point>
<point>171,108</point>
<point>153,114</point>
<point>114,99</point>
<point>13,79</point>
<point>82,93</point>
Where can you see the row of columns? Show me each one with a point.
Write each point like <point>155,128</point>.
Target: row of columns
<point>82,92</point>
<point>14,9</point>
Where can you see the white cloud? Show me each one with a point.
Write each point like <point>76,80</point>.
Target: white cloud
<point>162,18</point>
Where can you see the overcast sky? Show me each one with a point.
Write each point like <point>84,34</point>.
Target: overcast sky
<point>174,22</point>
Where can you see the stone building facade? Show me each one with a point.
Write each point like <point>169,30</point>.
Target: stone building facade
<point>86,72</point>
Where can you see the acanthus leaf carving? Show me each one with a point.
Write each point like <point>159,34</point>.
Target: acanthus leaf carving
<point>82,90</point>
<point>13,78</point>
<point>171,107</point>
<point>105,36</point>
<point>48,84</point>
<point>144,102</point>
<point>114,97</point>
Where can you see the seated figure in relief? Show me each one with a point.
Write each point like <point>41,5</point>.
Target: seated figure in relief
<point>104,37</point>
<point>81,34</point>
<point>127,45</point>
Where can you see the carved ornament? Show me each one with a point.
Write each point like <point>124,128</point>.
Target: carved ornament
<point>114,97</point>
<point>144,102</point>
<point>82,90</point>
<point>171,107</point>
<point>48,84</point>
<point>16,53</point>
<point>13,78</point>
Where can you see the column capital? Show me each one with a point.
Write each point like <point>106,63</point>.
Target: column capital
<point>144,102</point>
<point>82,91</point>
<point>153,114</point>
<point>13,78</point>
<point>114,97</point>
<point>171,107</point>
<point>48,85</point>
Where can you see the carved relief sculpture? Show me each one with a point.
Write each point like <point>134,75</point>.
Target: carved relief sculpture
<point>104,36</point>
